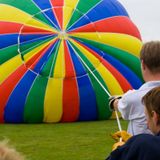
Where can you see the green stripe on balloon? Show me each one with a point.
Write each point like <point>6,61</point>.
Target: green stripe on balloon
<point>34,108</point>
<point>81,9</point>
<point>102,98</point>
<point>48,68</point>
<point>8,53</point>
<point>54,60</point>
<point>27,6</point>
<point>25,48</point>
<point>101,95</point>
<point>130,60</point>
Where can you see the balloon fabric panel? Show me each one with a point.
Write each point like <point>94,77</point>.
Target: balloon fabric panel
<point>59,59</point>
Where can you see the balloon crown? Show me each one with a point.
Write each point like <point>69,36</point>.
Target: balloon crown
<point>62,35</point>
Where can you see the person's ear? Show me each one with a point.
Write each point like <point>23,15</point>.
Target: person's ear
<point>155,117</point>
<point>143,65</point>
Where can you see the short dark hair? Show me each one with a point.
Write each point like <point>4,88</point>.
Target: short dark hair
<point>152,101</point>
<point>150,54</point>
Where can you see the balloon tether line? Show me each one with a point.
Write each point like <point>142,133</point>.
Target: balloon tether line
<point>117,118</point>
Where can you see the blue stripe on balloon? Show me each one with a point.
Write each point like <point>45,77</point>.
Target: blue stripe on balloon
<point>98,51</point>
<point>41,63</point>
<point>7,40</point>
<point>43,5</point>
<point>103,10</point>
<point>52,17</point>
<point>127,73</point>
<point>34,37</point>
<point>130,76</point>
<point>14,109</point>
<point>80,70</point>
<point>88,108</point>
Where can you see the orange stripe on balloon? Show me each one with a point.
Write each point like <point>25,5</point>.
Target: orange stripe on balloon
<point>59,15</point>
<point>70,72</point>
<point>118,24</point>
<point>7,87</point>
<point>58,10</point>
<point>9,27</point>
<point>31,30</point>
<point>57,2</point>
<point>70,91</point>
<point>125,85</point>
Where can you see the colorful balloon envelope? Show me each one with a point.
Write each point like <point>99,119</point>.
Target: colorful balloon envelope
<point>59,58</point>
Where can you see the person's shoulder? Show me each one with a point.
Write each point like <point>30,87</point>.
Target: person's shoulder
<point>130,95</point>
<point>142,137</point>
<point>135,94</point>
<point>144,140</point>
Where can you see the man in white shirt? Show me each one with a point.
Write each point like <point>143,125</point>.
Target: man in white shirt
<point>130,104</point>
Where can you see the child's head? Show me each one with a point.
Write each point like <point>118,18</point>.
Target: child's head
<point>152,109</point>
<point>9,153</point>
<point>150,56</point>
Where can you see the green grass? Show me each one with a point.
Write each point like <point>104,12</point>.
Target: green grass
<point>63,141</point>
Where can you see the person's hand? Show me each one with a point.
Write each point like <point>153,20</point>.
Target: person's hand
<point>121,134</point>
<point>117,144</point>
<point>112,99</point>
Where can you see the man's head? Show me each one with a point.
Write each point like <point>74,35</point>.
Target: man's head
<point>152,109</point>
<point>150,59</point>
<point>9,153</point>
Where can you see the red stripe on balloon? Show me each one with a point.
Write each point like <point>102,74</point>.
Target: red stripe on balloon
<point>35,59</point>
<point>59,15</point>
<point>9,27</point>
<point>119,24</point>
<point>7,87</point>
<point>70,91</point>
<point>125,85</point>
<point>57,2</point>
<point>31,30</point>
<point>69,67</point>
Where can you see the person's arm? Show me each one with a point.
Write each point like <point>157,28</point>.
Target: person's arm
<point>123,104</point>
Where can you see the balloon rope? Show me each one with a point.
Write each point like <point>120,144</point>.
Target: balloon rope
<point>117,118</point>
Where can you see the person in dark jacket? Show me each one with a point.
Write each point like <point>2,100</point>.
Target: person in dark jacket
<point>143,146</point>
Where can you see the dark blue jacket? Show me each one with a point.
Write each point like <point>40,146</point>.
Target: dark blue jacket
<point>140,147</point>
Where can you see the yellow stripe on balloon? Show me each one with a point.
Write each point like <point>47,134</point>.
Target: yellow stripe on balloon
<point>59,70</point>
<point>12,14</point>
<point>106,75</point>
<point>111,82</point>
<point>34,51</point>
<point>121,41</point>
<point>53,101</point>
<point>68,11</point>
<point>9,66</point>
<point>70,4</point>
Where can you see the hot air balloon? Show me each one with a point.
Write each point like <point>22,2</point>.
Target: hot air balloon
<point>59,57</point>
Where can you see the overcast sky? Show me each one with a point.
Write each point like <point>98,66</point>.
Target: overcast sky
<point>146,15</point>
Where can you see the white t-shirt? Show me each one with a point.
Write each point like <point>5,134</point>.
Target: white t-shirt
<point>132,109</point>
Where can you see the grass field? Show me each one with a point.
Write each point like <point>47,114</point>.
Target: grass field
<point>68,141</point>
